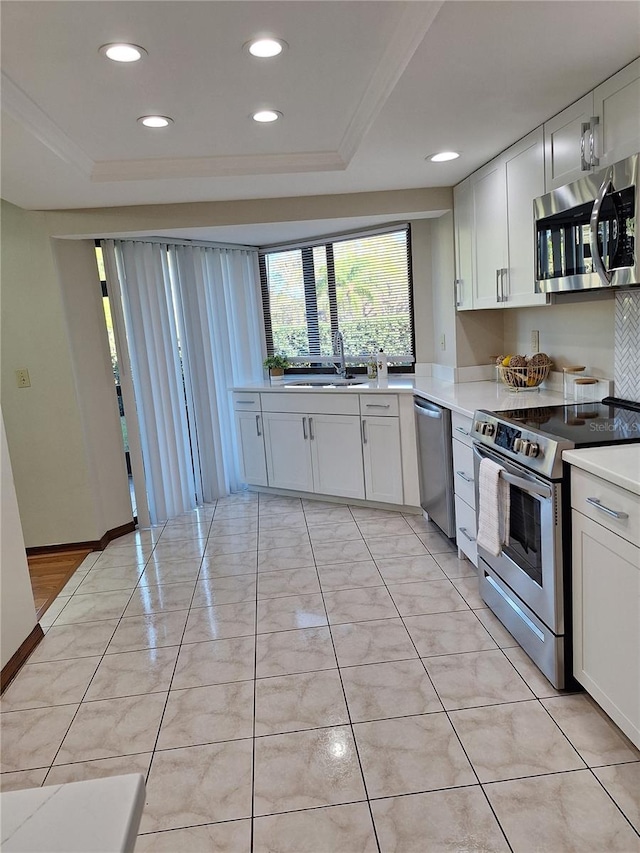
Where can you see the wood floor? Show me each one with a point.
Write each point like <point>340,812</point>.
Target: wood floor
<point>49,573</point>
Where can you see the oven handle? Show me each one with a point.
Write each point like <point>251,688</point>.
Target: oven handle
<point>533,487</point>
<point>603,273</point>
<point>526,485</point>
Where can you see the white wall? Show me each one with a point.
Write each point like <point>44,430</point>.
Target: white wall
<point>443,273</point>
<point>18,613</point>
<point>55,428</point>
<point>577,330</point>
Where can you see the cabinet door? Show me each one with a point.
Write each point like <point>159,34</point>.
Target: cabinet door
<point>463,229</point>
<point>489,235</point>
<point>606,621</point>
<point>382,459</point>
<point>616,102</point>
<point>562,144</point>
<point>524,165</point>
<point>336,454</point>
<point>253,464</point>
<point>288,452</point>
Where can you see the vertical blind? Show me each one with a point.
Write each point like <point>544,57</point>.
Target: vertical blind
<point>359,285</point>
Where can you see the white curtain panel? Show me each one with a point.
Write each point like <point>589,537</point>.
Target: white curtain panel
<point>152,335</point>
<point>218,294</point>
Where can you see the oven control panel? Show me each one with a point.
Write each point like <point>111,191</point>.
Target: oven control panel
<point>534,450</point>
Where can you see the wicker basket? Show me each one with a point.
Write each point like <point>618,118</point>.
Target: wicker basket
<point>524,378</point>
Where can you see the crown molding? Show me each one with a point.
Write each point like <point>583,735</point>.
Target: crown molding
<point>216,167</point>
<point>409,33</point>
<point>20,106</point>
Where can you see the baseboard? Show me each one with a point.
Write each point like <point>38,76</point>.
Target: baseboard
<point>91,545</point>
<point>13,665</point>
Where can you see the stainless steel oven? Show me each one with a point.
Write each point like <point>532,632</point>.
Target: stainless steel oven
<point>524,583</point>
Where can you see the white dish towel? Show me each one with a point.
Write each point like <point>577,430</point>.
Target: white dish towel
<point>494,509</point>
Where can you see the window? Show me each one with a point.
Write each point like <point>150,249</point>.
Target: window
<point>359,285</point>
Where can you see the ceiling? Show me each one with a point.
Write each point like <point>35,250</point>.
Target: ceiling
<point>367,91</point>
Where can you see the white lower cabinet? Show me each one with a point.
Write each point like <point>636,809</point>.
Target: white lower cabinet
<point>314,453</point>
<point>336,455</point>
<point>253,463</point>
<point>464,487</point>
<point>606,619</point>
<point>288,453</point>
<point>382,459</point>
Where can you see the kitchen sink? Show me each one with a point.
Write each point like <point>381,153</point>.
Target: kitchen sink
<point>324,383</point>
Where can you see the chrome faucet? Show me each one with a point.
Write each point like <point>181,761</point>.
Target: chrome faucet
<point>338,350</point>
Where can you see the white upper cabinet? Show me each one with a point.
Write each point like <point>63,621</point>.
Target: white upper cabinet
<point>489,235</point>
<point>524,176</point>
<point>494,229</point>
<point>567,144</point>
<point>598,130</point>
<point>463,227</point>
<point>616,103</point>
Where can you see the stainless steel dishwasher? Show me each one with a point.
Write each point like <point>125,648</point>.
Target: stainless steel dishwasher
<point>435,463</point>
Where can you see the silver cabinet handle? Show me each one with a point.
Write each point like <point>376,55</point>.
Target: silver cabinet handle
<point>462,430</point>
<point>364,432</point>
<point>593,160</point>
<point>311,435</point>
<point>258,430</point>
<point>458,292</point>
<point>304,428</point>
<point>498,274</point>
<point>505,285</point>
<point>245,402</point>
<point>585,127</point>
<point>463,530</point>
<point>615,513</point>
<point>378,405</point>
<point>464,477</point>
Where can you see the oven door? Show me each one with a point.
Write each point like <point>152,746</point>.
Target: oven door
<point>530,562</point>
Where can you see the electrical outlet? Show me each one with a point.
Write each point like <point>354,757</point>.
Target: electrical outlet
<point>443,341</point>
<point>22,378</point>
<point>535,341</point>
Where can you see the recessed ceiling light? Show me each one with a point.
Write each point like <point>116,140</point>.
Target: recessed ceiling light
<point>265,47</point>
<point>265,116</point>
<point>443,156</point>
<point>121,52</point>
<point>155,121</point>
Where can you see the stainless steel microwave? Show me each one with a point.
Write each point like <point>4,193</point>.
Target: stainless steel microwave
<point>586,232</point>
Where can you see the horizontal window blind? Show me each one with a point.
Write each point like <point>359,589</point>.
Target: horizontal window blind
<point>361,286</point>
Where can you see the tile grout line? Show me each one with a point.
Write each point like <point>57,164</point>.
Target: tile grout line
<point>346,704</point>
<point>471,765</point>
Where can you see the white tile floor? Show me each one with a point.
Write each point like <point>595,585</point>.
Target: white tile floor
<point>312,678</point>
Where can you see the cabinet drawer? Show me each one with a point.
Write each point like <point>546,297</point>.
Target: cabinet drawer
<point>463,476</point>
<point>380,405</point>
<point>461,427</point>
<point>586,486</point>
<point>311,402</point>
<point>466,529</point>
<point>246,402</point>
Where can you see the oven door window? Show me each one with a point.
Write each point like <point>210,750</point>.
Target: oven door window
<point>524,544</point>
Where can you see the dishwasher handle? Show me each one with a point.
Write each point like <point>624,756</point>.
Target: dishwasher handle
<point>424,407</point>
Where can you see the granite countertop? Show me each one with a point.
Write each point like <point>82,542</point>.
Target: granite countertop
<point>618,464</point>
<point>461,397</point>
<point>77,817</point>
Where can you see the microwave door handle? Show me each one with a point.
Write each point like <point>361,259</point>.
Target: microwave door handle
<point>603,273</point>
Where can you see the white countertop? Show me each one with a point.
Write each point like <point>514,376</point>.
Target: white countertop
<point>78,817</point>
<point>619,464</point>
<point>462,397</point>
